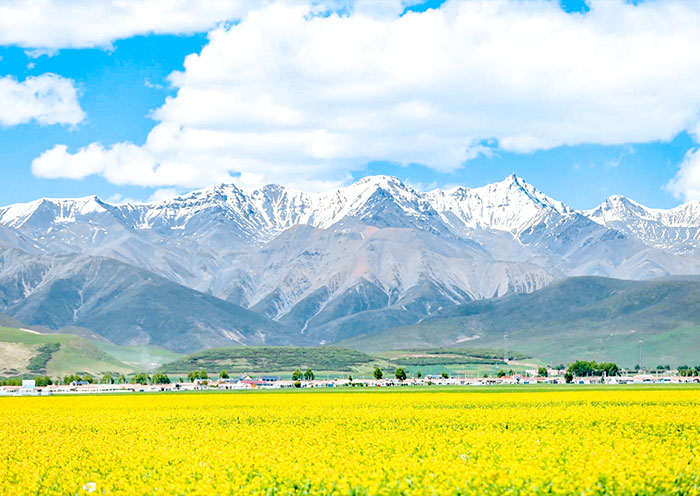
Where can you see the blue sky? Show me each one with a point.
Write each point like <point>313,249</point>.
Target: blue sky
<point>118,89</point>
<point>120,82</point>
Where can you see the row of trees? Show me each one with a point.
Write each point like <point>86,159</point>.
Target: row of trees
<point>687,371</point>
<point>400,373</point>
<point>41,381</point>
<point>307,375</point>
<point>199,374</point>
<point>582,368</point>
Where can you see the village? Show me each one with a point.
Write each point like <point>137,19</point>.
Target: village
<point>270,382</point>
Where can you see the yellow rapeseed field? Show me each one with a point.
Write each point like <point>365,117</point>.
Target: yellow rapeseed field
<point>354,443</point>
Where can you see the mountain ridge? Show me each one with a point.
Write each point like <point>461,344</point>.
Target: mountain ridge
<point>364,257</point>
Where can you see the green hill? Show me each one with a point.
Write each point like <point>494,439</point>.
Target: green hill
<point>56,355</point>
<point>275,359</point>
<point>578,318</point>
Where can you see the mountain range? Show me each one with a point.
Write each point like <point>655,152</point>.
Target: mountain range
<point>222,266</point>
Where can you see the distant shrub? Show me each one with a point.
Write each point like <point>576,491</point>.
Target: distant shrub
<point>38,362</point>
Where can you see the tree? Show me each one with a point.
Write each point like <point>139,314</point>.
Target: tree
<point>581,368</point>
<point>419,375</point>
<point>141,378</point>
<point>107,379</point>
<point>350,378</point>
<point>401,374</point>
<point>686,371</point>
<point>296,375</point>
<point>223,374</point>
<point>378,374</point>
<point>43,381</point>
<point>501,373</point>
<point>309,375</point>
<point>198,374</point>
<point>542,372</point>
<point>445,375</point>
<point>606,368</point>
<point>160,378</point>
<point>569,377</point>
<point>122,379</point>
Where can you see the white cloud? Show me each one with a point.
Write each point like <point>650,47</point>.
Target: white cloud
<point>46,99</point>
<point>163,194</point>
<point>285,96</point>
<point>616,161</point>
<point>45,26</point>
<point>686,183</point>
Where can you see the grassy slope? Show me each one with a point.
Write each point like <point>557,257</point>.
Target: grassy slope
<point>145,358</point>
<point>277,359</point>
<point>456,361</point>
<point>579,318</point>
<point>75,354</point>
<point>334,362</point>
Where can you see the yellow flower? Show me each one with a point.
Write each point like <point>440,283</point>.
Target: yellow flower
<point>416,442</point>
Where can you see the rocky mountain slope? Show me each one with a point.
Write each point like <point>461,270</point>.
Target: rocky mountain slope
<point>127,305</point>
<point>326,266</point>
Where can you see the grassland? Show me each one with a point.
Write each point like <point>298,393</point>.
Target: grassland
<point>405,441</point>
<point>142,358</point>
<point>70,354</point>
<point>456,361</point>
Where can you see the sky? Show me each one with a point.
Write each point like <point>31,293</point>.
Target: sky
<point>139,101</point>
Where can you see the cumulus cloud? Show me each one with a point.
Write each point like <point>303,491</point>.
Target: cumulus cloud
<point>686,184</point>
<point>289,96</point>
<point>46,99</point>
<point>163,194</point>
<point>49,25</point>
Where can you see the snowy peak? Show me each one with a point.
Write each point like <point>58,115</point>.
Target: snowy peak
<point>510,205</point>
<point>618,208</point>
<point>59,211</point>
<point>676,229</point>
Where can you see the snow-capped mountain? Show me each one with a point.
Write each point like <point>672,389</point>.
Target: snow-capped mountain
<point>371,255</point>
<point>676,229</point>
<point>511,205</point>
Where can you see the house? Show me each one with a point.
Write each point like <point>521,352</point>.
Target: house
<point>29,387</point>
